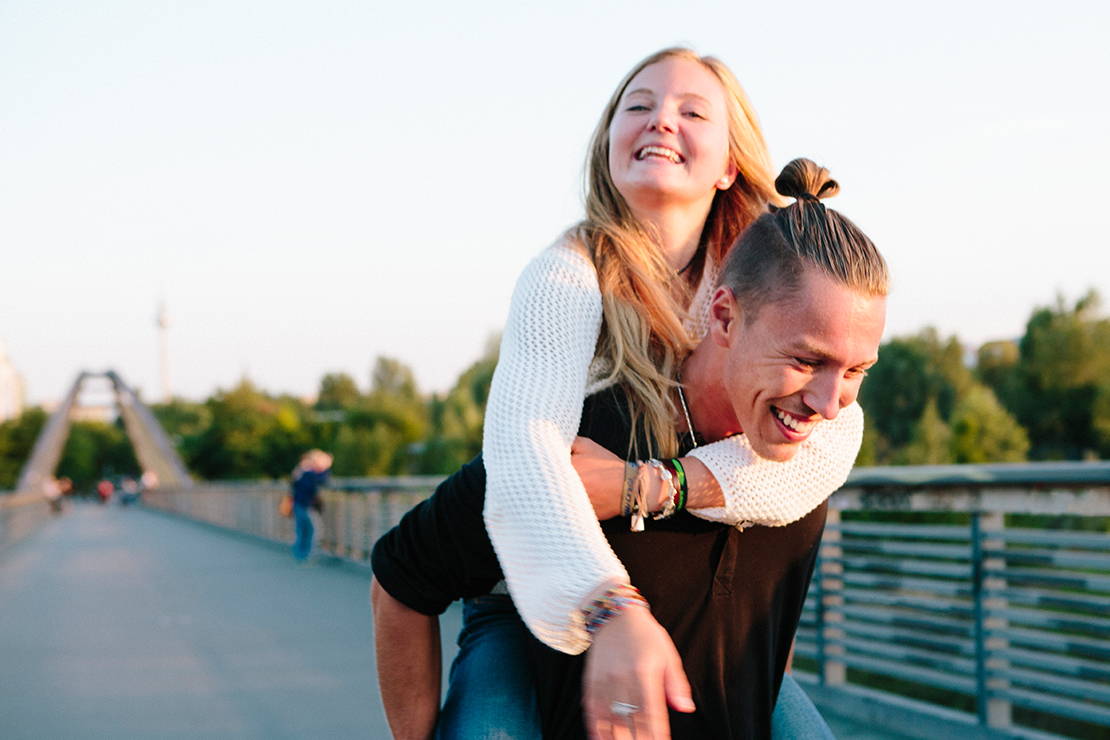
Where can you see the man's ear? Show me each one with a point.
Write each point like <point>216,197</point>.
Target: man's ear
<point>723,313</point>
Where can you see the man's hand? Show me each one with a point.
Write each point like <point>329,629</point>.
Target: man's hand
<point>633,664</point>
<point>602,474</point>
<point>409,665</point>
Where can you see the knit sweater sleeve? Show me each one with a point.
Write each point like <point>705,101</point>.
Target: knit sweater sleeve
<point>537,513</point>
<point>778,493</point>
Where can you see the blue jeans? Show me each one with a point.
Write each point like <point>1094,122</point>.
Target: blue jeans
<point>492,695</point>
<point>303,546</point>
<point>795,717</point>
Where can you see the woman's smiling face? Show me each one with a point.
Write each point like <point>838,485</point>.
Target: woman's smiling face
<point>668,141</point>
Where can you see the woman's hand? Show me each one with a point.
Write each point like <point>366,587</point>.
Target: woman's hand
<point>633,668</point>
<point>602,474</point>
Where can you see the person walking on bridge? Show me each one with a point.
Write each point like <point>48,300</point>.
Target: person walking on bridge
<point>308,477</point>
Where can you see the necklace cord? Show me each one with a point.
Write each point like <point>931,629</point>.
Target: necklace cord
<point>686,411</point>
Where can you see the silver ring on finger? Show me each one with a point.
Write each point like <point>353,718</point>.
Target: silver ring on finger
<point>623,709</point>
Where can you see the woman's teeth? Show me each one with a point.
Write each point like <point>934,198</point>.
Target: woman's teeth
<point>658,151</point>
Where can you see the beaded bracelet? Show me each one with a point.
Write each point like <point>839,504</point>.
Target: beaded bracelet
<point>675,499</point>
<point>667,478</point>
<point>609,604</point>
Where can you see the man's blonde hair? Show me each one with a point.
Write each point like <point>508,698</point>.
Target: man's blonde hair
<point>768,262</point>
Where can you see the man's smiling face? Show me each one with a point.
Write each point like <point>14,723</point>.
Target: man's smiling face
<point>799,362</point>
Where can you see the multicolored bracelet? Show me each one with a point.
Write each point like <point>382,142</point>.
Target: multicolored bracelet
<point>609,604</point>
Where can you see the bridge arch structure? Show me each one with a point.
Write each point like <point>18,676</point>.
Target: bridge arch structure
<point>153,448</point>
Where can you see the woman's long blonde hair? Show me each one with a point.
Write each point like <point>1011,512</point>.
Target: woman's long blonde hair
<point>644,301</point>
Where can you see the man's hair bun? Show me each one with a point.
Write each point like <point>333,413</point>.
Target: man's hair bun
<point>771,257</point>
<point>804,178</point>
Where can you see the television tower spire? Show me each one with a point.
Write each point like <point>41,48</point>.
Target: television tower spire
<point>163,322</point>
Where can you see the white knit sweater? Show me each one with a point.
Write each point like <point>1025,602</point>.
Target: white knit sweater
<point>538,515</point>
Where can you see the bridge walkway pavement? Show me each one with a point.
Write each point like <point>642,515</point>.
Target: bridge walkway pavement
<point>124,623</point>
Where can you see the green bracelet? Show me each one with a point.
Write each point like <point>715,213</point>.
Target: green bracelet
<point>683,491</point>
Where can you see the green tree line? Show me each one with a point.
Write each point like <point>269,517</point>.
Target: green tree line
<point>393,429</point>
<point>1045,396</point>
<point>93,450</point>
<point>928,400</point>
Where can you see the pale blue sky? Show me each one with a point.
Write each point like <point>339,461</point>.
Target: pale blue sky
<point>310,185</point>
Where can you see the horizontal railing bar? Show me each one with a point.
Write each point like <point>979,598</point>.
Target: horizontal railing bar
<point>908,656</point>
<point>901,566</point>
<point>926,603</point>
<point>1084,669</point>
<point>926,585</point>
<point>1054,620</point>
<point>384,483</point>
<point>1058,558</point>
<point>989,474</point>
<point>1070,644</point>
<point>805,649</point>
<point>353,485</point>
<point>907,531</point>
<point>1076,688</point>
<point>910,638</point>
<point>1056,705</point>
<point>1084,500</point>
<point>1055,538</point>
<point>910,673</point>
<point>1057,600</point>
<point>912,549</point>
<point>949,626</point>
<point>1065,579</point>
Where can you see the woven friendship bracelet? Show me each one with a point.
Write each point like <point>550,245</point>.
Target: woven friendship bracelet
<point>609,604</point>
<point>639,505</point>
<point>628,492</point>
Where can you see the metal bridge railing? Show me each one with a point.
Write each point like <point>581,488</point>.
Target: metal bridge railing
<point>357,511</point>
<point>20,515</point>
<point>1007,624</point>
<point>976,615</point>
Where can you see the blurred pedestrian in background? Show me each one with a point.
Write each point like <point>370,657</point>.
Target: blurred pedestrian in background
<point>129,491</point>
<point>105,489</point>
<point>52,491</point>
<point>308,477</point>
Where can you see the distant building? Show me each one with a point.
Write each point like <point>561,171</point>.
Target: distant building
<point>11,387</point>
<point>104,413</point>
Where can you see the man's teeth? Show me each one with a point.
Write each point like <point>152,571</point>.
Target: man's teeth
<point>790,421</point>
<point>658,151</point>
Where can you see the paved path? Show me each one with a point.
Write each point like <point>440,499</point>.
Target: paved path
<point>123,623</point>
